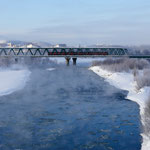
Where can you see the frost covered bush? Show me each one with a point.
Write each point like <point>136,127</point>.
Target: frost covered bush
<point>143,79</point>
<point>6,61</point>
<point>119,65</point>
<point>146,119</point>
<point>27,61</point>
<point>135,66</point>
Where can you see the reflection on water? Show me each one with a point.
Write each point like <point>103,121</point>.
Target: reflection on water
<point>69,108</point>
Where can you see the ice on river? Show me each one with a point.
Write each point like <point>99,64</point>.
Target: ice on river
<point>12,80</point>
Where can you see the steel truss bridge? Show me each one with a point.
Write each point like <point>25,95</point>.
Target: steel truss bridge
<point>62,52</point>
<point>68,53</point>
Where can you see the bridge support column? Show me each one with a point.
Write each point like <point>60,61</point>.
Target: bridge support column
<point>16,60</point>
<point>67,61</point>
<point>74,61</point>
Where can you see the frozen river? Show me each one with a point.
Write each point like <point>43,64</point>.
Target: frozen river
<point>69,108</point>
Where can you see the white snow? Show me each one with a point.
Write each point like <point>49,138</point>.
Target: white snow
<point>125,81</point>
<point>12,80</point>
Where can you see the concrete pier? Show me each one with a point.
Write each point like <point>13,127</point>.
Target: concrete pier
<point>74,61</point>
<point>67,61</point>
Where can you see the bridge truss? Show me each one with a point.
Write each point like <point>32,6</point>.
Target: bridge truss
<point>63,52</point>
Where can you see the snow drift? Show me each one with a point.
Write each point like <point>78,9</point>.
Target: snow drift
<point>12,80</point>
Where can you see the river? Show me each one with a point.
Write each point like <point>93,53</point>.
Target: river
<point>69,108</point>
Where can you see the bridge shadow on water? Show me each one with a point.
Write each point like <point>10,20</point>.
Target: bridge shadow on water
<point>69,108</point>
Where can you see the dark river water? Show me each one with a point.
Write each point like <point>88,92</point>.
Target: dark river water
<point>70,108</point>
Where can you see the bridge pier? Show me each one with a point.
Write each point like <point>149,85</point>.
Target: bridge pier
<point>16,60</point>
<point>67,61</point>
<point>74,61</point>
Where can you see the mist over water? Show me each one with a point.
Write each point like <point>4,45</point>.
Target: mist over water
<point>68,108</point>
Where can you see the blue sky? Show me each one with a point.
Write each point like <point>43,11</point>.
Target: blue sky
<point>125,22</point>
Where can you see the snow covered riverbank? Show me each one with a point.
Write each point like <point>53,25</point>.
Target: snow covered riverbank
<point>12,80</point>
<point>125,81</point>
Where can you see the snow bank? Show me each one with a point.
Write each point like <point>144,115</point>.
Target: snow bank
<point>125,81</point>
<point>12,80</point>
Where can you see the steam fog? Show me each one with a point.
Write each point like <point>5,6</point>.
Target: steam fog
<point>66,108</point>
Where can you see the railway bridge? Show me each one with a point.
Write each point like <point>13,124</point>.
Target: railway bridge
<point>67,53</point>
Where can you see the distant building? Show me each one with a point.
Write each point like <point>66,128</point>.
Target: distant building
<point>60,46</point>
<point>6,44</point>
<point>29,46</point>
<point>9,44</point>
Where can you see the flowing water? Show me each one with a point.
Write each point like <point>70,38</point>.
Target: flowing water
<point>69,108</point>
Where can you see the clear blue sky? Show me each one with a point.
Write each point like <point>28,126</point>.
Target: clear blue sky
<point>125,22</point>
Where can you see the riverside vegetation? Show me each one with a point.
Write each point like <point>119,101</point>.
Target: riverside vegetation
<point>139,67</point>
